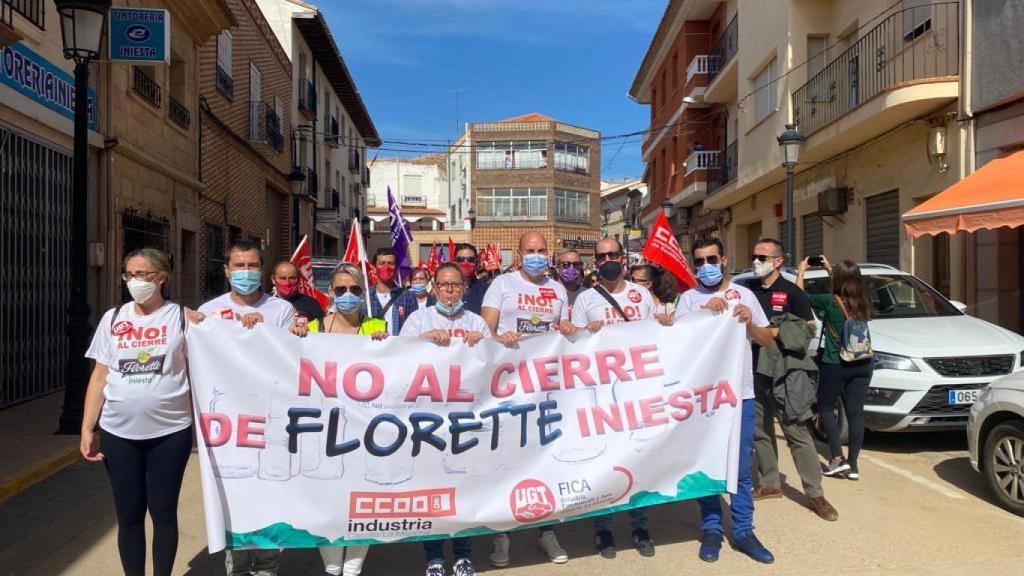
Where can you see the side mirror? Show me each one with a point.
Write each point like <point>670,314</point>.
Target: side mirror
<point>959,305</point>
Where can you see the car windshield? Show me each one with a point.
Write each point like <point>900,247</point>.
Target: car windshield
<point>895,296</point>
<point>322,277</point>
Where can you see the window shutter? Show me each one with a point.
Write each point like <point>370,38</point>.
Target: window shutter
<point>815,55</point>
<point>224,51</point>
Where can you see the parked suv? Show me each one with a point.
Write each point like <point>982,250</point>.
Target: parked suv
<point>932,361</point>
<point>995,438</point>
<point>323,270</point>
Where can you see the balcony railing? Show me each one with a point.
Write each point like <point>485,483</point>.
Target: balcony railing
<point>699,65</point>
<point>335,199</point>
<point>912,44</point>
<point>725,171</point>
<point>724,50</point>
<point>331,136</point>
<point>225,84</point>
<point>178,113</point>
<point>366,176</point>
<point>702,160</point>
<point>33,10</point>
<point>310,188</point>
<point>145,87</point>
<point>265,126</point>
<point>307,97</point>
<point>354,164</point>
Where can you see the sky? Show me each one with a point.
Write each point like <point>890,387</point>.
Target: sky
<point>573,60</point>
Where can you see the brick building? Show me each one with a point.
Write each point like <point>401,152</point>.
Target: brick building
<point>245,99</point>
<point>531,173</point>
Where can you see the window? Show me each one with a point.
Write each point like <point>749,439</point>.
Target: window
<point>512,204</point>
<point>225,82</point>
<point>572,206</point>
<point>214,261</point>
<point>411,188</point>
<point>766,91</point>
<point>572,157</point>
<point>917,19</point>
<point>815,55</point>
<point>512,155</point>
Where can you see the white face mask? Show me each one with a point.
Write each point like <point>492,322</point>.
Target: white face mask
<point>141,290</point>
<point>762,269</point>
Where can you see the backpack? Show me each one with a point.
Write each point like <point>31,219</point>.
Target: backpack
<point>855,342</point>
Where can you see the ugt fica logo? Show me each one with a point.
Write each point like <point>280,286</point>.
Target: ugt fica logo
<point>531,501</point>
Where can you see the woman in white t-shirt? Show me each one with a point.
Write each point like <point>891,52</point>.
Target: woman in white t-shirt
<point>139,395</point>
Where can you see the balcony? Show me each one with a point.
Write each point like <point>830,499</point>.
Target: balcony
<point>699,65</point>
<point>307,99</point>
<point>331,136</point>
<point>32,10</point>
<point>904,68</point>
<point>310,184</point>
<point>8,35</point>
<point>701,160</point>
<point>265,127</point>
<point>725,171</point>
<point>178,113</point>
<point>330,214</point>
<point>722,68</point>
<point>354,162</point>
<point>225,84</point>
<point>366,177</point>
<point>145,87</point>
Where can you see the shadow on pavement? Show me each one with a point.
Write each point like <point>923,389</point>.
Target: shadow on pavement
<point>958,472</point>
<point>912,442</point>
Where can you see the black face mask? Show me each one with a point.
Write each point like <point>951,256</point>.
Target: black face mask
<point>610,270</point>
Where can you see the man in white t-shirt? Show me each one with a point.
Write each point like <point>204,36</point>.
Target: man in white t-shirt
<point>593,310</point>
<point>570,274</point>
<point>714,292</point>
<point>527,302</point>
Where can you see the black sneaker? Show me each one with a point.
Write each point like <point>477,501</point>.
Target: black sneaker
<point>853,474</point>
<point>643,543</point>
<point>605,544</point>
<point>837,468</point>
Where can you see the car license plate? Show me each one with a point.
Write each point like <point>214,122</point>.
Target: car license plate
<point>963,396</point>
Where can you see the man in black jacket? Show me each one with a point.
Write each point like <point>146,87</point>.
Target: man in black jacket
<point>286,282</point>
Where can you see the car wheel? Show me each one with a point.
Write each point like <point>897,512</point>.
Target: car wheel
<point>1004,465</point>
<point>844,427</point>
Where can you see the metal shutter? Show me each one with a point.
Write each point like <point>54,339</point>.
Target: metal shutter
<point>883,233</point>
<point>814,240</point>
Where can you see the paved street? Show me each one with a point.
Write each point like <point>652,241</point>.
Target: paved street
<point>919,509</point>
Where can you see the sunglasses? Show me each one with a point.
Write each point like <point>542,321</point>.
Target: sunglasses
<point>342,290</point>
<point>606,255</point>
<point>698,262</point>
<point>576,265</point>
<point>465,259</point>
<point>763,257</point>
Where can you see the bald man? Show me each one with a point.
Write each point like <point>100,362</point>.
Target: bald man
<point>286,282</point>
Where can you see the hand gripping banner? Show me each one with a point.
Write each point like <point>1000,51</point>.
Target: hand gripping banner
<point>334,440</point>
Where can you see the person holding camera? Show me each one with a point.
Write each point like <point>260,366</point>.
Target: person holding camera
<point>846,359</point>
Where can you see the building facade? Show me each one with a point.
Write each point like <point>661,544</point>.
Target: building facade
<point>872,87</point>
<point>531,173</point>
<point>622,204</point>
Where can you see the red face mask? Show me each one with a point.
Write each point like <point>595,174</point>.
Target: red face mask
<point>386,272</point>
<point>468,269</point>
<point>287,288</point>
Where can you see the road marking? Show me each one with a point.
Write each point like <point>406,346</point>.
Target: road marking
<point>914,477</point>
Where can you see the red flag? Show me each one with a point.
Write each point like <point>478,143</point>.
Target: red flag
<point>301,259</point>
<point>355,253</point>
<point>663,249</point>
<point>434,260</point>
<point>451,249</point>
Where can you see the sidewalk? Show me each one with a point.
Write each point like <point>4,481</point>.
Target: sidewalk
<point>31,449</point>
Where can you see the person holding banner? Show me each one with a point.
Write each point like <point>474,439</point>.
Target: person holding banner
<point>348,315</point>
<point>386,293</point>
<point>286,283</point>
<point>570,274</point>
<point>615,300</point>
<point>519,303</point>
<point>714,292</point>
<point>139,395</point>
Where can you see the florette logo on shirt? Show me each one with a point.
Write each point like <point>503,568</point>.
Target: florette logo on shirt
<point>634,296</point>
<point>227,314</point>
<point>121,328</point>
<point>732,294</point>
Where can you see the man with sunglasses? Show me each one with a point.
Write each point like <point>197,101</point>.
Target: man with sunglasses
<point>615,300</point>
<point>570,274</point>
<point>778,297</point>
<point>467,260</point>
<point>714,292</point>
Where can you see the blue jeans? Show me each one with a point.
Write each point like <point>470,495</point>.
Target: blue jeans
<point>637,520</point>
<point>741,504</point>
<point>461,548</point>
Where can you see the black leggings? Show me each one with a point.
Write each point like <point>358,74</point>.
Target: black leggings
<point>146,474</point>
<point>849,382</point>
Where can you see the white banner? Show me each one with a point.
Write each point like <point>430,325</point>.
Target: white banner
<point>340,440</point>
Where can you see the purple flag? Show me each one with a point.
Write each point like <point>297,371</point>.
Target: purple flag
<point>400,236</point>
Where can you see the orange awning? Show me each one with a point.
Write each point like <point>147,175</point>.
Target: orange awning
<point>990,198</point>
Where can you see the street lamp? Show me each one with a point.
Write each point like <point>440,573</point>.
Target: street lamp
<point>472,218</point>
<point>81,24</point>
<point>789,145</point>
<point>668,208</point>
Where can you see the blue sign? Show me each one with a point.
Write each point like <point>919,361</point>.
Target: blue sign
<point>36,77</point>
<point>140,35</point>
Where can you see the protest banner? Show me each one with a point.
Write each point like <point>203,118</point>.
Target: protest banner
<point>341,440</point>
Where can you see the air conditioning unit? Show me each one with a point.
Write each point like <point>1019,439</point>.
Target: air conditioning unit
<point>832,201</point>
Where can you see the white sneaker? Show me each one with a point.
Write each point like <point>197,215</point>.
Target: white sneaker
<point>499,558</point>
<point>549,543</point>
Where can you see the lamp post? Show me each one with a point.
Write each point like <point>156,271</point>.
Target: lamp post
<point>789,145</point>
<point>81,25</point>
<point>668,208</point>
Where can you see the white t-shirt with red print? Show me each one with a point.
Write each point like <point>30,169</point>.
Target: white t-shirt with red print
<point>147,394</point>
<point>526,307</point>
<point>424,320</point>
<point>635,300</point>
<point>275,311</point>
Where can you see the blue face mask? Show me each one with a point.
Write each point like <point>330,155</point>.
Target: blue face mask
<point>245,282</point>
<point>449,310</point>
<point>535,264</point>
<point>347,303</point>
<point>710,275</point>
<point>417,288</point>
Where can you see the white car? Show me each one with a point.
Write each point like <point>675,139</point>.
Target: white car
<point>932,360</point>
<point>995,438</point>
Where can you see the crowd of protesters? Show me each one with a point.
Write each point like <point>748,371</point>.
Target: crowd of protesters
<point>138,421</point>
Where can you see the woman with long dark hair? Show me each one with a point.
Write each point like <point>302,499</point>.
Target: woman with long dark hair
<point>838,378</point>
<point>661,284</point>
